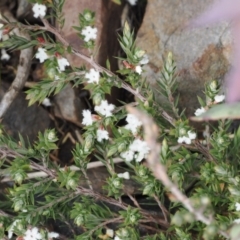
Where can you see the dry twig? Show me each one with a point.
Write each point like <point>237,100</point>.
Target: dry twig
<point>151,136</point>
<point>22,70</point>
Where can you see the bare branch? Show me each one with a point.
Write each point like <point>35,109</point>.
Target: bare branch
<point>151,135</point>
<point>22,70</point>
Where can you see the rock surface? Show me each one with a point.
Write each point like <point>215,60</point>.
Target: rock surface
<point>20,118</point>
<point>201,55</point>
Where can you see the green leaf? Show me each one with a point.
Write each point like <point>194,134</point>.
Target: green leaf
<point>221,111</point>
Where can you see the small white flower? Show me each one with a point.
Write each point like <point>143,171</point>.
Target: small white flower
<point>39,10</point>
<point>199,111</point>
<point>237,221</point>
<point>41,55</point>
<point>237,205</point>
<point>53,235</point>
<point>32,234</point>
<point>144,60</point>
<point>185,139</point>
<point>93,76</point>
<point>138,70</point>
<point>87,118</point>
<point>104,108</point>
<point>141,148</point>
<point>102,134</point>
<point>133,123</point>
<point>219,98</point>
<point>89,33</point>
<point>109,232</point>
<point>51,136</point>
<point>192,135</point>
<point>62,63</point>
<point>124,175</point>
<point>4,55</point>
<point>128,155</point>
<point>46,102</point>
<point>132,2</point>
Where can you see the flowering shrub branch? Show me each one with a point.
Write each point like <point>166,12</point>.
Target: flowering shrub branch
<point>196,172</point>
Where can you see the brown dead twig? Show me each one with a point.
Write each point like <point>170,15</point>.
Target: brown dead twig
<point>151,136</point>
<point>22,70</point>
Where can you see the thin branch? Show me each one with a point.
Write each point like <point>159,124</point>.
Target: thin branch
<point>151,136</point>
<point>22,70</point>
<point>42,174</point>
<point>49,28</point>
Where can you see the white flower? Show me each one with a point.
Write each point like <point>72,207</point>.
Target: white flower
<point>117,238</point>
<point>128,155</point>
<point>237,221</point>
<point>124,175</point>
<point>185,139</point>
<point>104,108</point>
<point>199,111</point>
<point>237,205</point>
<point>4,55</point>
<point>39,10</point>
<point>133,123</point>
<point>11,229</point>
<point>93,76</point>
<point>53,235</point>
<point>62,63</point>
<point>141,148</point>
<point>89,33</point>
<point>219,98</point>
<point>144,60</point>
<point>41,55</point>
<point>46,102</point>
<point>138,70</point>
<point>87,118</point>
<point>102,134</point>
<point>192,135</point>
<point>109,232</point>
<point>132,2</point>
<point>32,234</point>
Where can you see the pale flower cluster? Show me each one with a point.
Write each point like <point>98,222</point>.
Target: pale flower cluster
<point>39,10</point>
<point>219,98</point>
<point>4,55</point>
<point>30,234</point>
<point>237,206</point>
<point>43,56</point>
<point>102,134</point>
<point>93,76</point>
<point>137,150</point>
<point>124,175</point>
<point>104,108</point>
<point>133,123</point>
<point>89,33</point>
<point>200,111</point>
<point>187,139</point>
<point>87,118</point>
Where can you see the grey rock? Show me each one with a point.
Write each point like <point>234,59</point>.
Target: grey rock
<point>20,118</point>
<point>201,54</point>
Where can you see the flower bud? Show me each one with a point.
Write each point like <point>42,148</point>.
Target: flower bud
<point>18,205</point>
<point>97,98</point>
<point>71,183</point>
